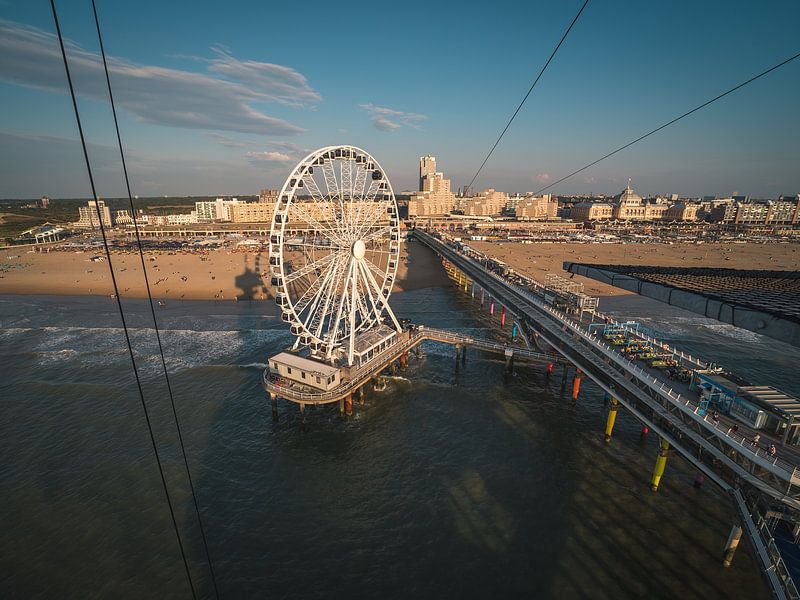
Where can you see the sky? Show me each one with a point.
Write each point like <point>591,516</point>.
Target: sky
<point>225,98</point>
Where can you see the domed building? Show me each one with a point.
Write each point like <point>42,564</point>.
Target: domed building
<point>629,206</point>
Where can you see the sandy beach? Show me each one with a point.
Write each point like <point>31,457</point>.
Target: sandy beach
<point>537,260</point>
<point>216,275</point>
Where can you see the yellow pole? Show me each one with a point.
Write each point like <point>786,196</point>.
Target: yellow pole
<point>661,464</point>
<point>612,417</point>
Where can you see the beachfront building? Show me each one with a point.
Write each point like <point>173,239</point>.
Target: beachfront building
<point>534,208</point>
<point>592,211</point>
<point>87,215</point>
<point>682,211</point>
<point>252,212</point>
<point>783,211</point>
<point>216,210</point>
<point>487,203</point>
<point>268,195</point>
<point>434,196</point>
<point>124,218</point>
<point>189,218</point>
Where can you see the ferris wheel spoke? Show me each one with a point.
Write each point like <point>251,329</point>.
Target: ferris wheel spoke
<point>369,284</point>
<point>333,189</point>
<point>335,326</point>
<point>360,182</point>
<point>374,186</point>
<point>376,214</point>
<point>375,269</point>
<point>328,292</point>
<point>307,296</point>
<point>309,268</point>
<point>319,197</point>
<point>325,230</point>
<point>377,234</point>
<point>317,301</point>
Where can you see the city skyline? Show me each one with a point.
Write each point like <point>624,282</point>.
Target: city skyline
<point>220,103</point>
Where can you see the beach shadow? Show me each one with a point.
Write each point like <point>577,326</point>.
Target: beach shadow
<point>250,281</point>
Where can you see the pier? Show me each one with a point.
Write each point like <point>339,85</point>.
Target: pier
<point>671,409</point>
<point>355,377</point>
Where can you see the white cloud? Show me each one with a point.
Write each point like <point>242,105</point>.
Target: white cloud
<point>269,156</point>
<point>273,82</point>
<point>389,119</point>
<point>221,100</point>
<point>543,178</point>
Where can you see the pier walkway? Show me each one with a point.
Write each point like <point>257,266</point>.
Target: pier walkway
<point>355,377</point>
<point>667,408</point>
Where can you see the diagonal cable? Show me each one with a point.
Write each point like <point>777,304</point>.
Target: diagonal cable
<point>119,301</point>
<point>668,123</point>
<point>152,307</point>
<point>533,85</point>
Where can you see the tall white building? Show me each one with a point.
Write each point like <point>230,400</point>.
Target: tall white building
<point>87,215</point>
<point>427,167</point>
<point>216,210</point>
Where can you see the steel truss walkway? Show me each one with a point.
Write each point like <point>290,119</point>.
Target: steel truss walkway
<point>723,458</point>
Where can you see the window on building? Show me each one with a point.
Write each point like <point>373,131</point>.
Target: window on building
<point>318,379</point>
<point>289,370</point>
<point>302,374</point>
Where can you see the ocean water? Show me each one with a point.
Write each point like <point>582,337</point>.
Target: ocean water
<point>448,484</point>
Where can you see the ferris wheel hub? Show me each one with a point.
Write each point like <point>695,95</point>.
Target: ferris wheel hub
<point>359,249</point>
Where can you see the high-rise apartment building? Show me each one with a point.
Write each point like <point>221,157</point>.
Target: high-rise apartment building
<point>434,196</point>
<point>427,167</point>
<point>217,210</point>
<point>87,215</point>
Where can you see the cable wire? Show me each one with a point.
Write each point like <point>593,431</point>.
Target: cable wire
<point>538,77</point>
<point>675,120</point>
<point>119,301</point>
<point>152,307</point>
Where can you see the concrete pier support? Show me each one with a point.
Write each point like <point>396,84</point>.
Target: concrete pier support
<point>576,385</point>
<point>509,362</point>
<point>273,398</point>
<point>341,406</point>
<point>458,355</point>
<point>348,404</point>
<point>418,350</point>
<point>730,546</point>
<point>661,464</point>
<point>483,294</point>
<point>612,417</point>
<point>463,355</point>
<point>404,360</point>
<point>503,317</point>
<point>361,395</point>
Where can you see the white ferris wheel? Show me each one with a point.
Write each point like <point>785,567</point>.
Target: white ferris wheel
<point>334,251</point>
